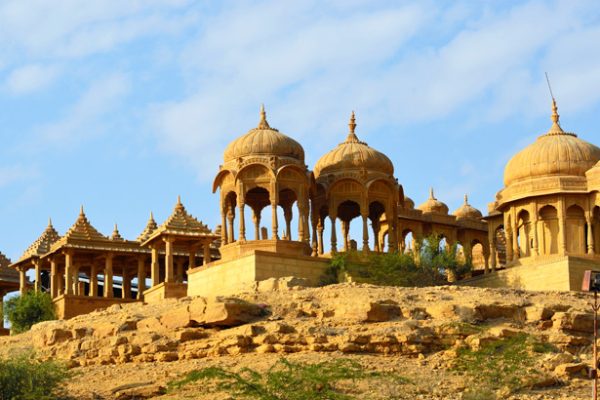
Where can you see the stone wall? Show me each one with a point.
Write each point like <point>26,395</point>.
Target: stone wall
<point>240,274</point>
<point>69,306</point>
<point>562,273</point>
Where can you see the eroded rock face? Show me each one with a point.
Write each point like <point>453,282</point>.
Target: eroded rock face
<point>348,318</point>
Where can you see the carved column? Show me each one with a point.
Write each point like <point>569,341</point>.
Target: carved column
<point>493,253</point>
<point>562,231</point>
<point>126,287</point>
<point>375,226</point>
<point>242,219</point>
<point>590,236</point>
<point>141,272</point>
<point>192,257</point>
<point>155,266</point>
<point>68,272</point>
<point>179,274</point>
<point>108,276</point>
<point>301,215</point>
<point>508,244</point>
<point>93,280</point>
<point>365,221</point>
<point>333,235</point>
<point>536,237</point>
<point>345,234</point>
<point>76,279</point>
<point>22,280</point>
<point>230,217</point>
<point>275,226</point>
<point>38,274</point>
<point>256,220</point>
<point>314,243</point>
<point>53,277</point>
<point>320,229</point>
<point>515,242</point>
<point>224,239</point>
<point>206,256</point>
<point>169,269</point>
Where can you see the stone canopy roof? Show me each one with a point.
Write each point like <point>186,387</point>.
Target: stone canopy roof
<point>151,226</point>
<point>181,223</point>
<point>7,275</point>
<point>42,245</point>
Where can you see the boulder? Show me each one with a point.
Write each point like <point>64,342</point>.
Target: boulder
<point>227,312</point>
<point>574,322</point>
<point>571,370</point>
<point>177,318</point>
<point>372,311</point>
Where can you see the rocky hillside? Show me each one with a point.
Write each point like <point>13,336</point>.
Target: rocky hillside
<point>444,342</point>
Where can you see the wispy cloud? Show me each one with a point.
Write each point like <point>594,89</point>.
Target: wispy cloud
<point>30,78</point>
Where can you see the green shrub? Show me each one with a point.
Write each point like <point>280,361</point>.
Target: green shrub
<point>290,381</point>
<point>28,309</point>
<point>427,265</point>
<point>25,379</point>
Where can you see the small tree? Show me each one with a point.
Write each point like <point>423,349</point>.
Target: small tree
<point>25,310</point>
<point>23,378</point>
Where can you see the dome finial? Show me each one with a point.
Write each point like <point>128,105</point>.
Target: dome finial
<point>49,222</point>
<point>263,124</point>
<point>431,195</point>
<point>555,117</point>
<point>81,213</point>
<point>466,199</point>
<point>352,125</point>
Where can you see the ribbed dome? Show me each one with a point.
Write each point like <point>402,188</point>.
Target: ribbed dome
<point>353,154</point>
<point>409,203</point>
<point>433,205</point>
<point>467,211</point>
<point>264,140</point>
<point>555,153</point>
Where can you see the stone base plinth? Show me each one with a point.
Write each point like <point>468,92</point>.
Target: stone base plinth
<point>69,305</point>
<point>234,275</point>
<point>288,247</point>
<point>165,290</point>
<point>562,273</point>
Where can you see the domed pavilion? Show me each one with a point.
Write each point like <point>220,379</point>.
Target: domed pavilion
<point>354,180</point>
<point>548,212</point>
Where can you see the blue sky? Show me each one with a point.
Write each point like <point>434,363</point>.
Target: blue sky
<point>121,105</point>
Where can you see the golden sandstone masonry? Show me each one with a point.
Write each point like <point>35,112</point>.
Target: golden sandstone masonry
<point>542,230</point>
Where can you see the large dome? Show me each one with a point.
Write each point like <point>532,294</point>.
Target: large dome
<point>353,154</point>
<point>264,140</point>
<point>557,153</point>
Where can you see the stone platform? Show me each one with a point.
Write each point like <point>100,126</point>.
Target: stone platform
<point>69,306</point>
<point>240,272</point>
<point>560,273</point>
<point>165,290</point>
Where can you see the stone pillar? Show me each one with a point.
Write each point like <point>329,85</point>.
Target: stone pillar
<point>508,242</point>
<point>333,235</point>
<point>224,239</point>
<point>365,220</point>
<point>275,226</point>
<point>590,236</point>
<point>192,257</point>
<point>108,276</point>
<point>53,277</point>
<point>22,280</point>
<point>320,228</point>
<point>515,242</point>
<point>179,273</point>
<point>206,255</point>
<point>76,279</point>
<point>155,266</point>
<point>375,226</point>
<point>536,237</point>
<point>314,243</point>
<point>68,272</point>
<point>345,234</point>
<point>242,220</point>
<point>141,276</point>
<point>287,215</point>
<point>301,215</point>
<point>93,280</point>
<point>305,226</point>
<point>169,269</point>
<point>256,221</point>
<point>126,286</point>
<point>230,217</point>
<point>486,260</point>
<point>562,231</point>
<point>493,253</point>
<point>38,274</point>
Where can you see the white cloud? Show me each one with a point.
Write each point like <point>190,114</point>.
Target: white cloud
<point>84,117</point>
<point>17,173</point>
<point>30,78</point>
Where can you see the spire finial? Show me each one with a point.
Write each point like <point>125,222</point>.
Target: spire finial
<point>431,195</point>
<point>81,212</point>
<point>466,199</point>
<point>352,125</point>
<point>49,222</point>
<point>178,199</point>
<point>263,124</point>
<point>555,117</point>
<point>151,216</point>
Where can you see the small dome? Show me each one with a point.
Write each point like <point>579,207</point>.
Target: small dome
<point>264,140</point>
<point>409,203</point>
<point>433,205</point>
<point>353,154</point>
<point>467,211</point>
<point>556,153</point>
